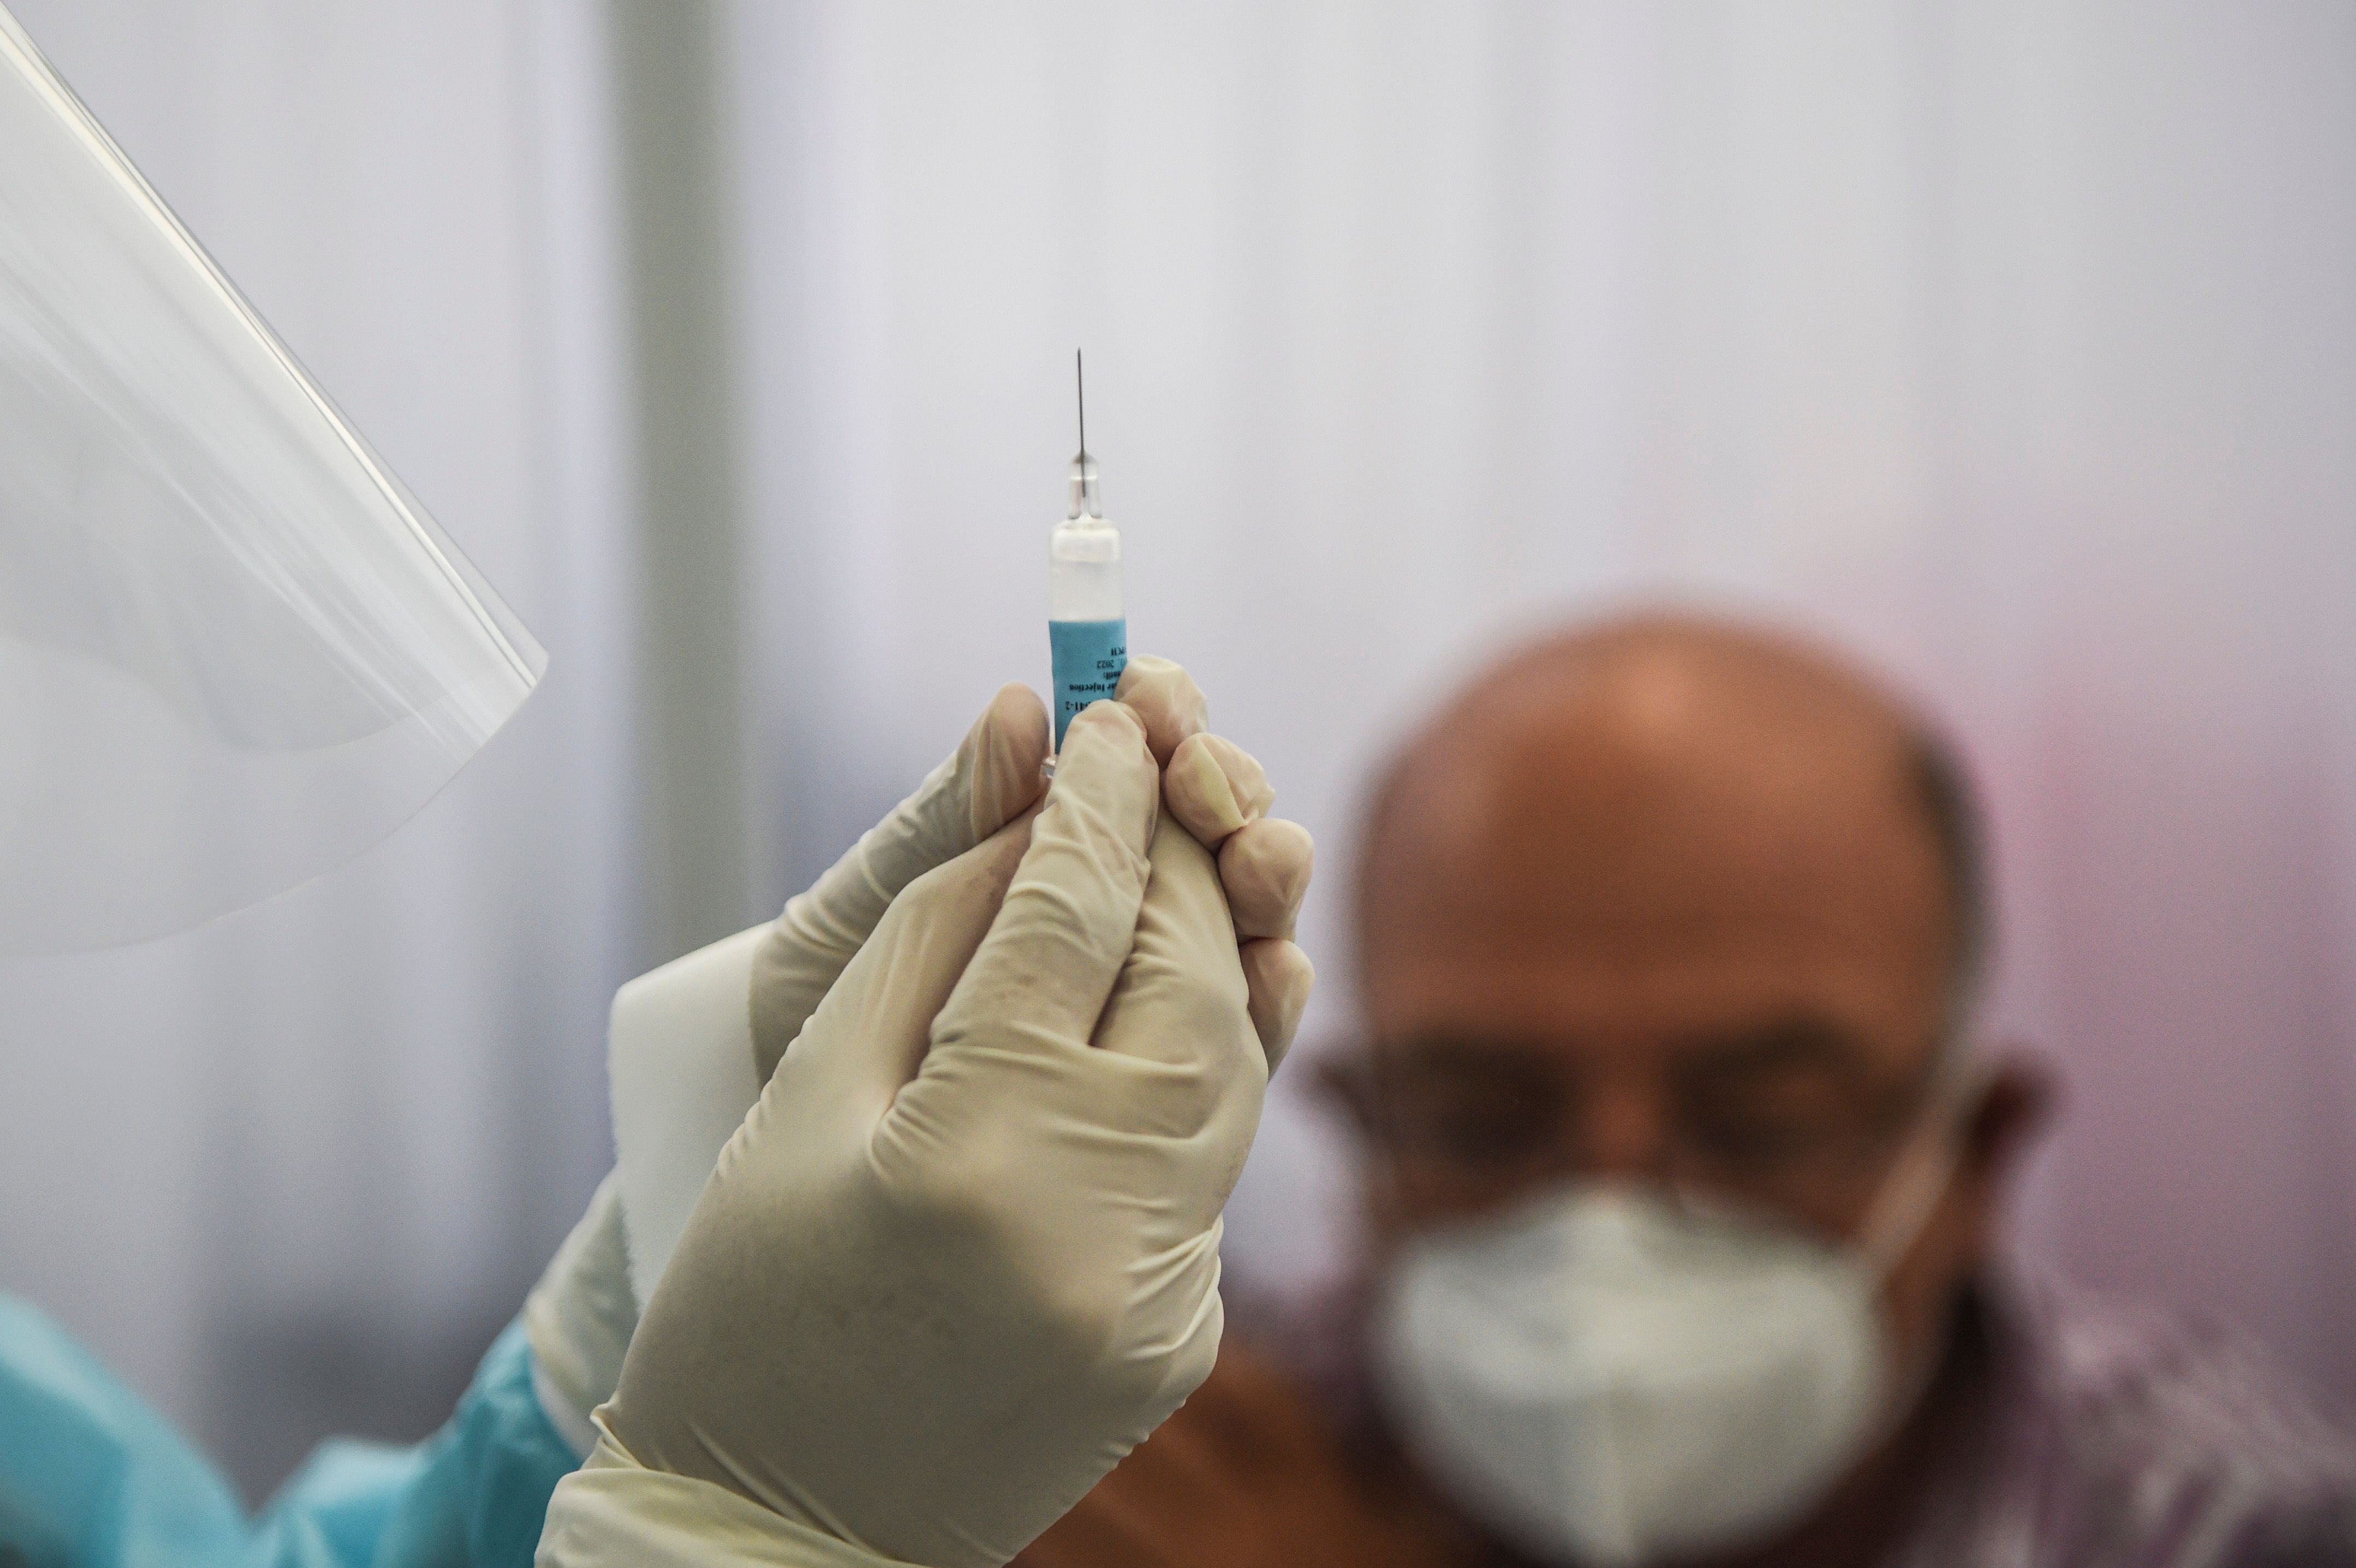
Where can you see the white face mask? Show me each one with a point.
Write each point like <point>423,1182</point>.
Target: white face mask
<point>1605,1374</point>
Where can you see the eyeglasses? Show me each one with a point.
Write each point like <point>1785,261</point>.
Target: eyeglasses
<point>1777,1121</point>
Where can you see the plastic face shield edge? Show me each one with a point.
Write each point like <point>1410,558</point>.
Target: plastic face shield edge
<point>234,651</point>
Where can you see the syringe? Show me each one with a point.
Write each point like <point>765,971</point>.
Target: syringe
<point>1087,631</point>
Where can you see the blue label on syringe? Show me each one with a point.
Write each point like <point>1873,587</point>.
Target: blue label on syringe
<point>1089,656</point>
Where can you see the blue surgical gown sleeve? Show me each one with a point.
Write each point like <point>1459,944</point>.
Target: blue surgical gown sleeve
<point>483,1481</point>
<point>90,1477</point>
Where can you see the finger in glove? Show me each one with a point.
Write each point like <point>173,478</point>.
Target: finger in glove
<point>1065,927</point>
<point>1215,786</point>
<point>1164,696</point>
<point>1265,866</point>
<point>991,779</point>
<point>1278,977</point>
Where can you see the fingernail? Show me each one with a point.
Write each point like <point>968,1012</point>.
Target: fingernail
<point>1246,781</point>
<point>1210,786</point>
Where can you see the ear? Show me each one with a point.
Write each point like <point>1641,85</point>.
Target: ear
<point>1998,1129</point>
<point>2020,1097</point>
<point>1344,1080</point>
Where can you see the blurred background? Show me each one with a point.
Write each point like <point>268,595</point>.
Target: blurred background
<point>2008,344</point>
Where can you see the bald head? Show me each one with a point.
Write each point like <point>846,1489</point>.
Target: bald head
<point>1656,766</point>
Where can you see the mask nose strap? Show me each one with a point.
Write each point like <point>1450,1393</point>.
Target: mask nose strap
<point>1921,1175</point>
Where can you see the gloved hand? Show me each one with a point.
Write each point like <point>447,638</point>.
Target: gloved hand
<point>992,777</point>
<point>581,1315</point>
<point>963,1254</point>
<point>578,1317</point>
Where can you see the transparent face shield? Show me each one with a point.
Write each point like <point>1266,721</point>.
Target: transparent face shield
<point>234,651</point>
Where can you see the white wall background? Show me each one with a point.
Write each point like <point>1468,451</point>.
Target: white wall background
<point>2012,343</point>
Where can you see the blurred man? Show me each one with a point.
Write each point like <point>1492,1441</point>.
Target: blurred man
<point>1683,1185</point>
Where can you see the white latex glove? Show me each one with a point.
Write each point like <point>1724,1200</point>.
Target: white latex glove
<point>992,778</point>
<point>705,1015</point>
<point>963,1255</point>
<point>579,1319</point>
<point>693,1042</point>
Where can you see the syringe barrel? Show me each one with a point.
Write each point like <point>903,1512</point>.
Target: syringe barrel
<point>1087,629</point>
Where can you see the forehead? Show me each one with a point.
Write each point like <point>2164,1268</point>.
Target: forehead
<point>1687,863</point>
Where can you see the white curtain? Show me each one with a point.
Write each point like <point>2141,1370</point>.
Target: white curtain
<point>289,1172</point>
<point>2011,345</point>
